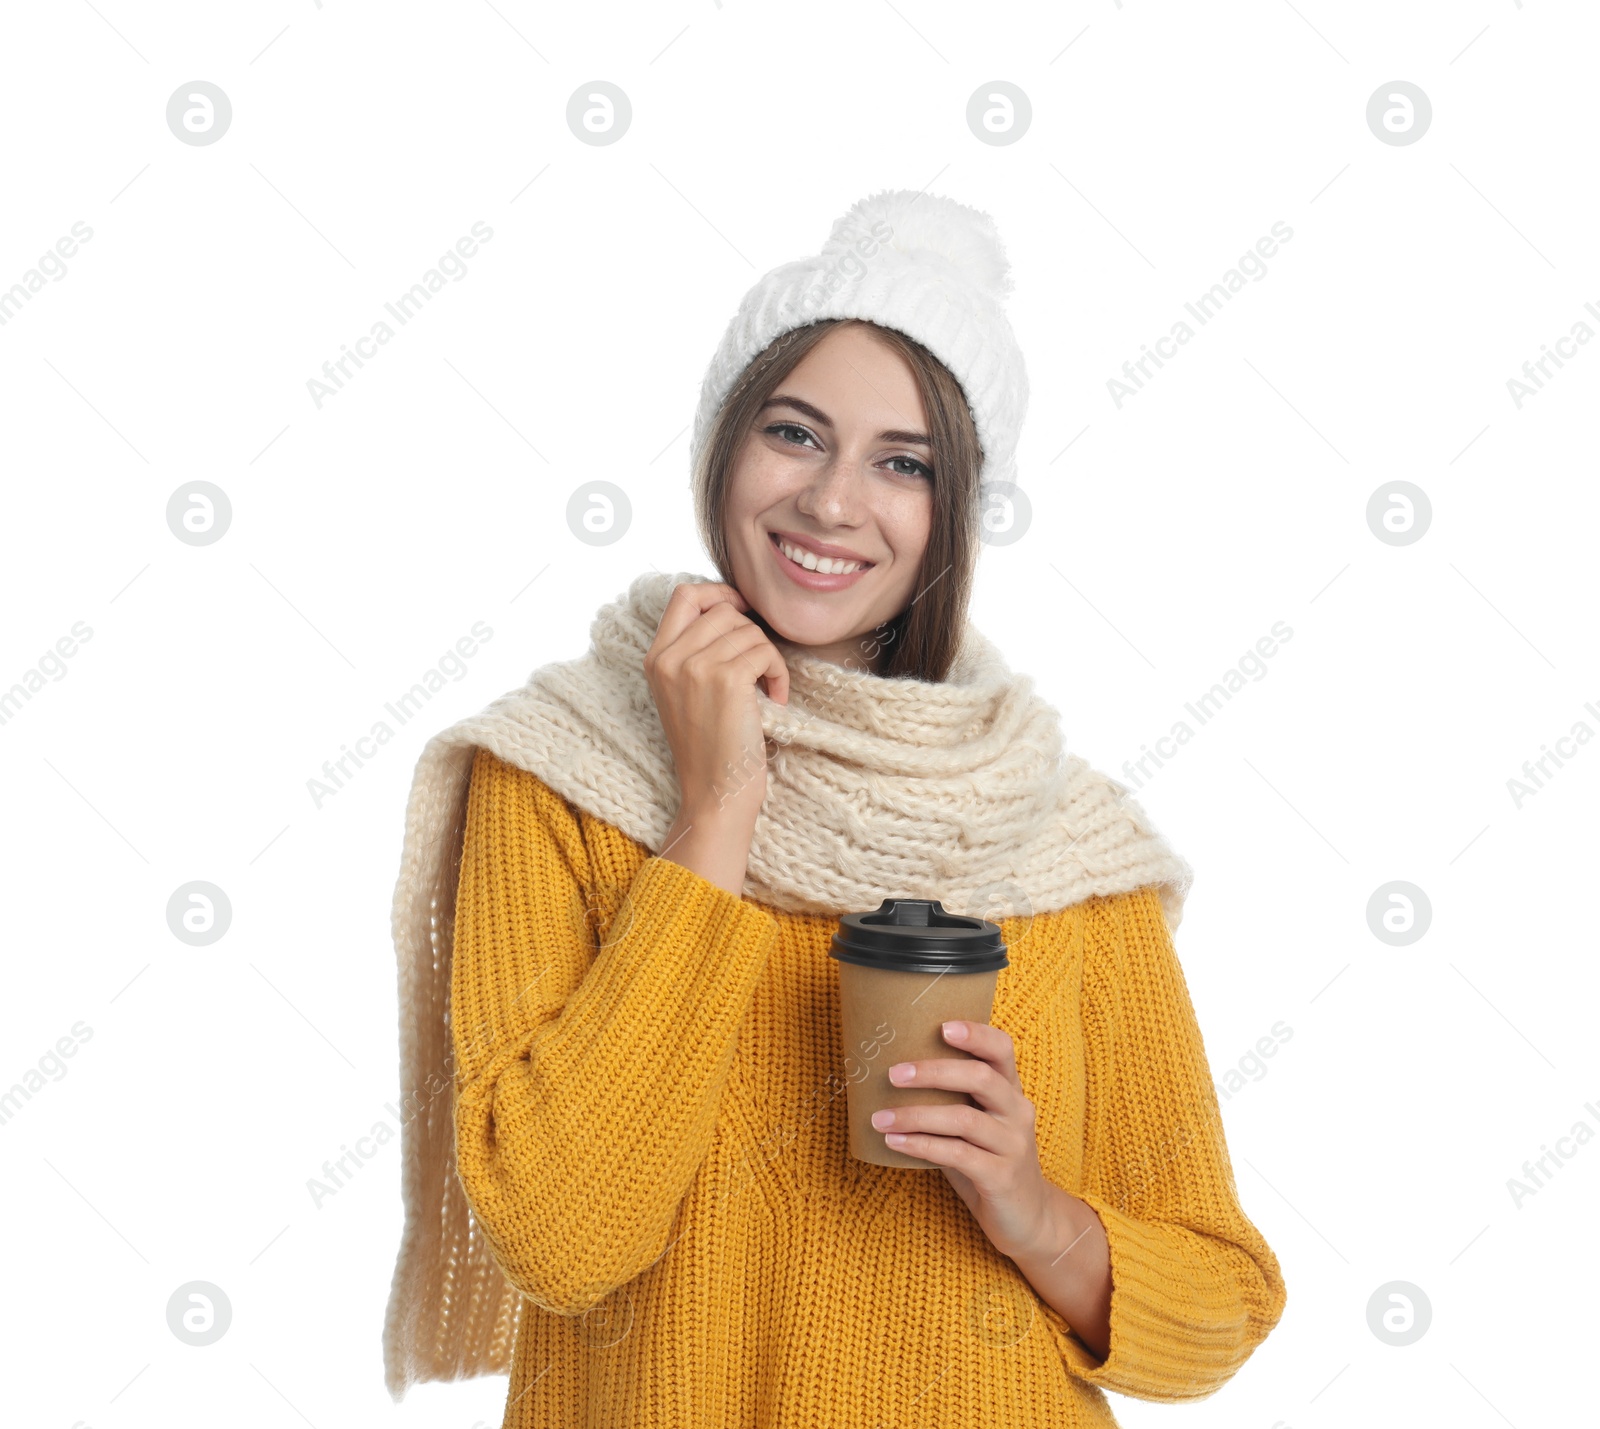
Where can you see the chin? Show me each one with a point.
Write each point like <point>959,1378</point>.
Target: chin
<point>802,622</point>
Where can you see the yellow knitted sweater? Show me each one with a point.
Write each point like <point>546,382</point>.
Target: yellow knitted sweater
<point>650,1129</point>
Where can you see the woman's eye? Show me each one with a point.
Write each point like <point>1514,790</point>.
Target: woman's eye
<point>783,430</point>
<point>917,467</point>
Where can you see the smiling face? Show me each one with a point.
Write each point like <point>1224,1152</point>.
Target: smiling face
<point>830,498</point>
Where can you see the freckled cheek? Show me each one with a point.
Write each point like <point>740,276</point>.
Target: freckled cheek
<point>904,525</point>
<point>768,480</point>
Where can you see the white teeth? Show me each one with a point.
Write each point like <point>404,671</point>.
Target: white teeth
<point>823,565</point>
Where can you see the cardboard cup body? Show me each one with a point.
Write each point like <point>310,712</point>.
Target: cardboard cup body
<point>891,1016</point>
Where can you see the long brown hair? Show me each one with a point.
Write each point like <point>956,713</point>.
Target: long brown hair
<point>922,640</point>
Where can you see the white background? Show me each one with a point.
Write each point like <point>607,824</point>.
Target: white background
<point>1168,535</point>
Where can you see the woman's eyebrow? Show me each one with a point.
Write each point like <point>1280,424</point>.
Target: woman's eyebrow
<point>822,419</point>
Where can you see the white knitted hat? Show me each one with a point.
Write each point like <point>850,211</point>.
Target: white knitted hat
<point>931,268</point>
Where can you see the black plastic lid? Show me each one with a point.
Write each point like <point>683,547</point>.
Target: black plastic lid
<point>916,935</point>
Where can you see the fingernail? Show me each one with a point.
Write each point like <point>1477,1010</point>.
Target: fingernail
<point>881,1119</point>
<point>955,1031</point>
<point>902,1072</point>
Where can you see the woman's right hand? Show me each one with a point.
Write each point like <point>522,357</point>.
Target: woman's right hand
<point>702,669</point>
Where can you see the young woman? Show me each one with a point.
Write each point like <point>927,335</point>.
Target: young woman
<point>627,1173</point>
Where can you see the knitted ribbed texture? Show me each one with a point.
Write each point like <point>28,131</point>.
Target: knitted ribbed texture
<point>651,1130</point>
<point>877,787</point>
<point>959,790</point>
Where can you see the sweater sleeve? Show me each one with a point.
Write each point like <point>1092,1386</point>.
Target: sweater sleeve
<point>587,1078</point>
<point>1195,1287</point>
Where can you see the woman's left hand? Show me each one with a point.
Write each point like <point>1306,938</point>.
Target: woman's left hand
<point>987,1152</point>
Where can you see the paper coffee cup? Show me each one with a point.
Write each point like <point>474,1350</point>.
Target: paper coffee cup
<point>904,970</point>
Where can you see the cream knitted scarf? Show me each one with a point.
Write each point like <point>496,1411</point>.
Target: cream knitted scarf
<point>876,788</point>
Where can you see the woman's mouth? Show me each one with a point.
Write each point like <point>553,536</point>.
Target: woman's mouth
<point>813,572</point>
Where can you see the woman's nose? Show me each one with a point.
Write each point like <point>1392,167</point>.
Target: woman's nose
<point>832,494</point>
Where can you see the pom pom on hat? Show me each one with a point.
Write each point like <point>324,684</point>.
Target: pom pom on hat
<point>931,223</point>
